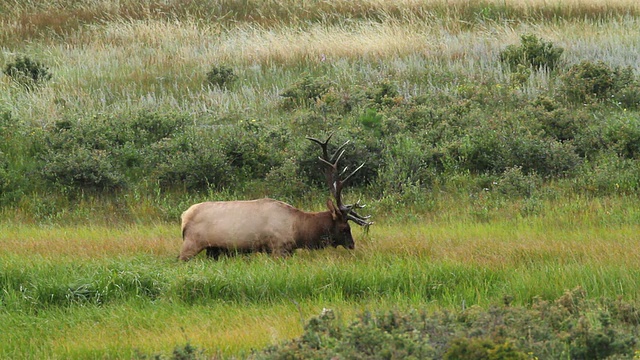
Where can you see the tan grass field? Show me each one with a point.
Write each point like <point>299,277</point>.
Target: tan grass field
<point>127,57</point>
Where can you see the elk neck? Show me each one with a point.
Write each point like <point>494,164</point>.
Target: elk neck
<point>314,230</point>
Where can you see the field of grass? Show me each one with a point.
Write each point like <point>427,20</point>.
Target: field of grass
<point>126,57</point>
<point>90,273</point>
<point>95,291</point>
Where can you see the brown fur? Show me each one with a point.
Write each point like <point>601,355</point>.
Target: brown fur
<point>260,225</point>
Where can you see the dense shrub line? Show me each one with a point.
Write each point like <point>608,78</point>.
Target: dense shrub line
<point>585,128</point>
<point>572,327</point>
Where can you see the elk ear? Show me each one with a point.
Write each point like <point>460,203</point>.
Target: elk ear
<point>335,212</point>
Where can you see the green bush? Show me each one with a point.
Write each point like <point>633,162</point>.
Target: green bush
<point>608,174</point>
<point>495,150</point>
<point>191,160</point>
<point>372,121</point>
<point>149,127</point>
<point>388,336</point>
<point>180,352</point>
<point>619,134</point>
<point>6,178</point>
<point>532,52</point>
<point>105,153</point>
<point>253,148</point>
<point>305,92</point>
<point>482,349</point>
<point>622,135</point>
<point>568,327</point>
<point>83,168</point>
<point>628,97</point>
<point>589,82</point>
<point>221,76</point>
<point>383,93</point>
<point>285,182</point>
<point>15,158</point>
<point>27,72</point>
<point>556,120</point>
<point>514,183</point>
<point>406,162</point>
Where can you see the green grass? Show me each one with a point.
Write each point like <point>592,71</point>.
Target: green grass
<point>79,291</point>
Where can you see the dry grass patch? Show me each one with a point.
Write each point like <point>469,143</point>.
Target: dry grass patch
<point>90,242</point>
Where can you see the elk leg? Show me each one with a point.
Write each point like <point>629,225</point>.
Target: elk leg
<point>214,252</point>
<point>282,251</point>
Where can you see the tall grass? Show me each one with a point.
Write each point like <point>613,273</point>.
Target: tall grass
<point>115,291</point>
<point>121,61</point>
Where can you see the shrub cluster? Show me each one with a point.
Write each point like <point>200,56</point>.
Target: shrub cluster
<point>589,82</point>
<point>27,72</point>
<point>532,52</point>
<point>570,327</point>
<point>221,76</point>
<point>107,153</point>
<point>305,92</point>
<point>584,127</point>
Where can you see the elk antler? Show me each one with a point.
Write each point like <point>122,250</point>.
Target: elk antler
<point>336,184</point>
<point>355,217</point>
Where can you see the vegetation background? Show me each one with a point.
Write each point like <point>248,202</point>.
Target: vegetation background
<point>502,149</point>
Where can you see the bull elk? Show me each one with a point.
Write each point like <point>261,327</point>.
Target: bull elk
<point>267,225</point>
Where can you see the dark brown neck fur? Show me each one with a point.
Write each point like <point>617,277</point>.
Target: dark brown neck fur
<point>314,230</point>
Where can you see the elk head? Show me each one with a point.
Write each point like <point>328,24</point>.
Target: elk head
<point>340,212</point>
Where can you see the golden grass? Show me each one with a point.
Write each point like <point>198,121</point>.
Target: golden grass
<point>89,242</point>
<point>125,66</point>
<point>139,57</point>
<point>496,244</point>
<point>216,327</point>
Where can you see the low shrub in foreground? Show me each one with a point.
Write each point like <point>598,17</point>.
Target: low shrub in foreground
<point>572,327</point>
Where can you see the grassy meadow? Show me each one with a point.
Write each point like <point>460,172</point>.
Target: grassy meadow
<point>105,291</point>
<point>488,183</point>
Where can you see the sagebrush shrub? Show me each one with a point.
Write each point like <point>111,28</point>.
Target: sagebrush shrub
<point>520,75</point>
<point>305,91</point>
<point>27,72</point>
<point>515,184</point>
<point>383,93</point>
<point>104,153</point>
<point>482,349</point>
<point>558,121</point>
<point>406,162</point>
<point>588,82</point>
<point>83,168</point>
<point>191,160</point>
<point>628,97</point>
<point>285,182</point>
<point>150,127</point>
<point>608,174</point>
<point>570,326</point>
<point>5,179</point>
<point>532,52</point>
<point>222,76</point>
<point>494,150</point>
